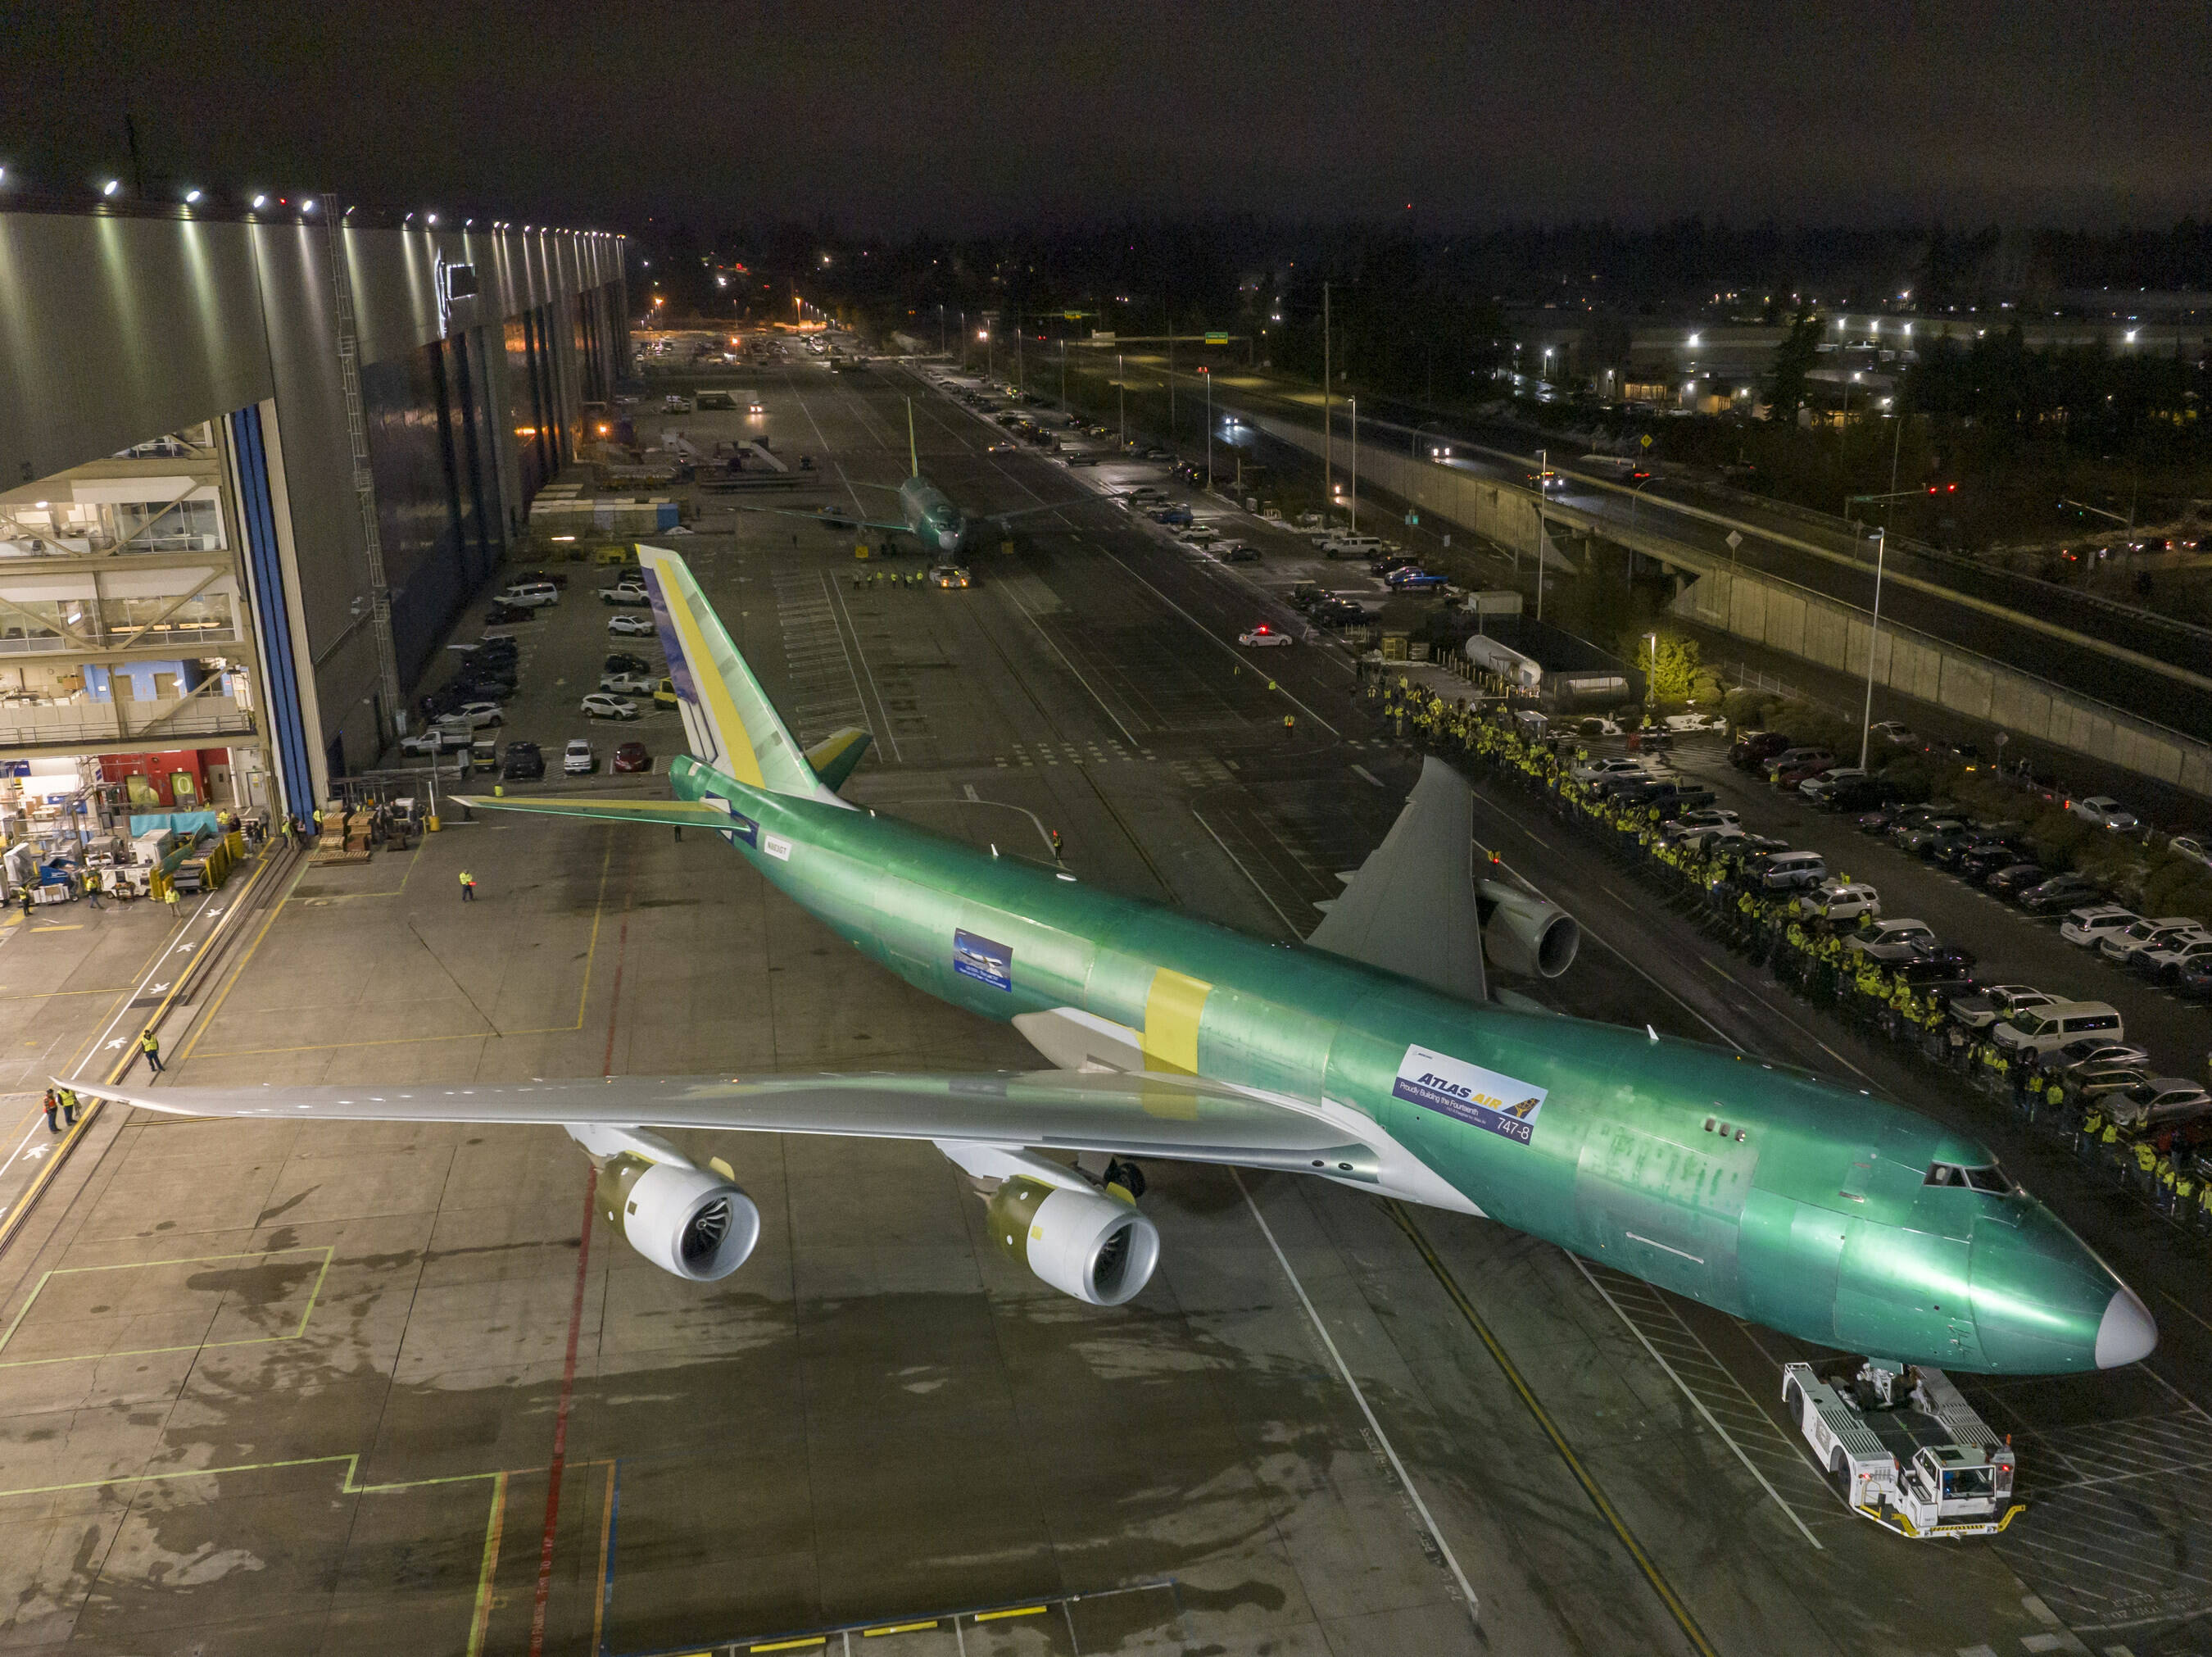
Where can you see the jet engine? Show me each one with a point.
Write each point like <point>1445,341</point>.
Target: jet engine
<point>1094,1247</point>
<point>684,1220</point>
<point>1524,932</point>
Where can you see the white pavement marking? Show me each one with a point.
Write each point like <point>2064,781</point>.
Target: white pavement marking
<point>1696,1403</point>
<point>1405,1479</point>
<point>1362,771</point>
<point>1247,874</point>
<point>837,602</point>
<point>1054,646</point>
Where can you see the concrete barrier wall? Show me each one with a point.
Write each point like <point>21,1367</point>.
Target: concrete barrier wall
<point>1835,635</point>
<point>1805,625</point>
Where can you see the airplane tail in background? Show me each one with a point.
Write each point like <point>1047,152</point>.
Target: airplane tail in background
<point>728,720</point>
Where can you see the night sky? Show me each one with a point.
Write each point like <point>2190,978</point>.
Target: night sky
<point>896,118</point>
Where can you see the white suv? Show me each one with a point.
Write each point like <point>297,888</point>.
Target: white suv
<point>2093,923</point>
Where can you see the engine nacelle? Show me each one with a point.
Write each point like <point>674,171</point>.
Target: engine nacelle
<point>686,1220</point>
<point>1100,1249</point>
<point>1526,934</point>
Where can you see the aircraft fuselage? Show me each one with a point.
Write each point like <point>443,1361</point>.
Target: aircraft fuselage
<point>1767,1193</point>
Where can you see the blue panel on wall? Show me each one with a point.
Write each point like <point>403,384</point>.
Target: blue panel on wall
<point>271,616</point>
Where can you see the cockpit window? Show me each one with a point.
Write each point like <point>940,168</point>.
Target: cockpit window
<point>1989,1179</point>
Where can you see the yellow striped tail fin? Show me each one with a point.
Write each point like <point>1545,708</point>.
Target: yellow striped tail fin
<point>728,720</point>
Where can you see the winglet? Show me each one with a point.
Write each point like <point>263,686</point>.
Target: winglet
<point>913,452</point>
<point>728,720</point>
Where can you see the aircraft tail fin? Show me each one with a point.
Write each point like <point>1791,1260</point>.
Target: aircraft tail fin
<point>912,450</point>
<point>728,720</point>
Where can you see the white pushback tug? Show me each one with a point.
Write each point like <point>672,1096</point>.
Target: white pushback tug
<point>1905,1449</point>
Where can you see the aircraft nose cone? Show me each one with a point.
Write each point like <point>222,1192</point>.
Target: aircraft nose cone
<point>2126,1335</point>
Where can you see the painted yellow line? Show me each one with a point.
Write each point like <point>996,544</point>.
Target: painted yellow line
<point>1020,1611</point>
<point>481,1620</point>
<point>51,994</point>
<point>792,1645</point>
<point>583,997</point>
<point>899,1628</point>
<point>207,1020</point>
<point>305,1312</point>
<point>599,1582</point>
<point>73,926</point>
<point>1673,1601</point>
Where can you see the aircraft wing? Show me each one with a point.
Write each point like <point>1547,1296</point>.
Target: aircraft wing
<point>1179,1117</point>
<point>1049,506</point>
<point>1412,908</point>
<point>832,519</point>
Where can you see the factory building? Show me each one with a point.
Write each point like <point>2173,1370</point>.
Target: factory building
<point>252,468</point>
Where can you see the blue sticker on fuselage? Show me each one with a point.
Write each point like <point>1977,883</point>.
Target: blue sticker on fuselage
<point>742,830</point>
<point>1468,1092</point>
<point>976,957</point>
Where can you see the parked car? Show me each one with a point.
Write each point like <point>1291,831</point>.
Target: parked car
<point>600,705</point>
<point>1792,765</point>
<point>1787,871</point>
<point>1752,749</point>
<point>2093,1052</point>
<point>1691,822</point>
<point>2119,946</point>
<point>2094,1082</point>
<point>557,577</point>
<point>1082,458</point>
<point>2015,878</point>
<point>523,763</point>
<point>1982,858</point>
<point>1414,580</point>
<point>1893,941</point>
<point>503,614</point>
<point>1200,534</point>
<point>437,739</point>
<point>2158,1103</point>
<point>2194,982</point>
<point>577,759</point>
<point>1893,733</point>
<point>2061,892</point>
<point>625,592</point>
<point>1840,900</point>
<point>2188,847</point>
<point>1236,552</point>
<point>1262,637</point>
<point>1997,1000</point>
<point>1590,771</point>
<point>632,756</point>
<point>1818,787</point>
<point>2090,924</point>
<point>1947,973</point>
<point>2105,812</point>
<point>629,683</point>
<point>630,626</point>
<point>2164,962</point>
<point>530,594</point>
<point>2046,1029</point>
<point>621,661</point>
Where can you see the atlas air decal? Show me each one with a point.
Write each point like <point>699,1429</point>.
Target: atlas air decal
<point>1468,1092</point>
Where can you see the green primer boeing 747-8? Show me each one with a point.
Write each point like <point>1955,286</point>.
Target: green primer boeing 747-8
<point>1371,1057</point>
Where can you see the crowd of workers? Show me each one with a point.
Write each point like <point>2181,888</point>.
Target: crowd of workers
<point>2168,1166</point>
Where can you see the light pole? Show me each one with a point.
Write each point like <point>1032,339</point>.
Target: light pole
<point>1328,425</point>
<point>1543,472</point>
<point>1354,403</point>
<point>1873,637</point>
<point>940,330</point>
<point>1121,392</point>
<point>1651,681</point>
<point>1208,373</point>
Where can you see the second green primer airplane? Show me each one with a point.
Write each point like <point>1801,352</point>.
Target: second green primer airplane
<point>1371,1057</point>
<point>926,512</point>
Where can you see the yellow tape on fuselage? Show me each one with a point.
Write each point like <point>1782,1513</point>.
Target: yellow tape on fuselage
<point>1172,1010</point>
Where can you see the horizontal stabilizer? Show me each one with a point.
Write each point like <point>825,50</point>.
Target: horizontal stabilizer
<point>1411,908</point>
<point>681,813</point>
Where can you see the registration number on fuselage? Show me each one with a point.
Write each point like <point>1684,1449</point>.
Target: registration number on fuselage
<point>1468,1092</point>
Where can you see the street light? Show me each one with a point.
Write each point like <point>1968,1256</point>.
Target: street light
<point>1355,508</point>
<point>1873,637</point>
<point>1121,392</point>
<point>1208,373</point>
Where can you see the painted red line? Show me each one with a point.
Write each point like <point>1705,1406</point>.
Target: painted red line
<point>576,1329</point>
